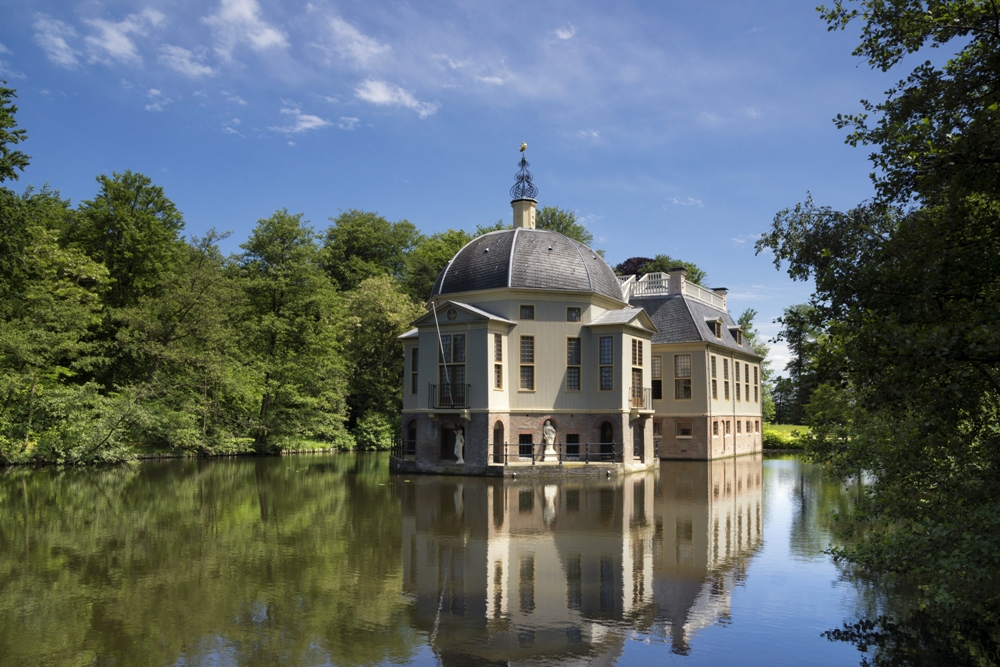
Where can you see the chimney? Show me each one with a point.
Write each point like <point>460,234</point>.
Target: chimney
<point>677,278</point>
<point>524,213</point>
<point>722,291</point>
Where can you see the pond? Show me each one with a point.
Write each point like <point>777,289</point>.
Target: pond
<point>329,560</point>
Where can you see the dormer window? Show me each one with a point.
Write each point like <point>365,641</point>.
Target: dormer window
<point>737,334</point>
<point>716,327</point>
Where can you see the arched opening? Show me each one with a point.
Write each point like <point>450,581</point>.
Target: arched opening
<point>607,440</point>
<point>448,441</point>
<point>498,444</point>
<point>410,445</point>
<point>638,438</point>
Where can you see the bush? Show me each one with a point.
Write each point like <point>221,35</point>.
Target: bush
<point>375,431</point>
<point>784,436</point>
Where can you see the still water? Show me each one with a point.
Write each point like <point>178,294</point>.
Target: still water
<point>328,560</point>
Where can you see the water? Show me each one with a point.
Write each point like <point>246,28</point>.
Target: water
<point>329,560</point>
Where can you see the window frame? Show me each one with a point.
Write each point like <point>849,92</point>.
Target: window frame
<point>526,365</point>
<point>498,362</point>
<point>683,380</point>
<point>578,366</point>
<point>414,370</point>
<point>606,367</point>
<point>520,311</point>
<point>656,376</point>
<point>579,313</point>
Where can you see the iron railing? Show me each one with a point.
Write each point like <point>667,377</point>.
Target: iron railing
<point>448,396</point>
<point>641,398</point>
<point>576,452</point>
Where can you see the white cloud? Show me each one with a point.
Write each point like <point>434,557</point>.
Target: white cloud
<point>235,121</point>
<point>230,130</point>
<point>386,94</point>
<point>354,45</point>
<point>588,134</point>
<point>348,122</point>
<point>565,33</point>
<point>4,49</point>
<point>235,99</point>
<point>112,41</point>
<point>711,118</point>
<point>690,201</point>
<point>292,143</point>
<point>239,21</point>
<point>157,101</point>
<point>451,63</point>
<point>301,122</point>
<point>51,35</point>
<point>492,80</point>
<point>188,63</point>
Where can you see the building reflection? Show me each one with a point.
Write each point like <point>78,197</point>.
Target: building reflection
<point>507,571</point>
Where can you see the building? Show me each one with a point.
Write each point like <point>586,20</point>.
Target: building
<point>534,357</point>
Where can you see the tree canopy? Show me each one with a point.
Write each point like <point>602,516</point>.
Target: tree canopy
<point>661,263</point>
<point>564,222</point>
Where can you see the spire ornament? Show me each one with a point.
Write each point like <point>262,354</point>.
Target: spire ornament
<point>523,188</point>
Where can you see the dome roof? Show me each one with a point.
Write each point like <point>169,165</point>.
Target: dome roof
<point>529,259</point>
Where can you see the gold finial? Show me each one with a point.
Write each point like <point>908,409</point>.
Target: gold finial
<point>524,146</point>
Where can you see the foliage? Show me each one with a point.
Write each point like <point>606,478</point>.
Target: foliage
<point>783,436</point>
<point>10,160</point>
<point>376,430</point>
<point>379,313</point>
<point>557,220</point>
<point>661,263</point>
<point>428,259</point>
<point>360,244</point>
<point>800,331</point>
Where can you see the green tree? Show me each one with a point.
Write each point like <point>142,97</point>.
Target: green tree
<point>428,259</point>
<point>293,334</point>
<point>801,333</point>
<point>11,161</point>
<point>380,311</point>
<point>360,245</point>
<point>663,263</point>
<point>557,220</point>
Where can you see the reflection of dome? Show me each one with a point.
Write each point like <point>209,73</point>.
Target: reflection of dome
<point>527,258</point>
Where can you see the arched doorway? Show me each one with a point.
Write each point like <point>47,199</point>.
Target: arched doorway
<point>448,441</point>
<point>607,440</point>
<point>498,444</point>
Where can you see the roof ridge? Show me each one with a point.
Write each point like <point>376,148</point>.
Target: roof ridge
<point>590,282</point>
<point>510,260</point>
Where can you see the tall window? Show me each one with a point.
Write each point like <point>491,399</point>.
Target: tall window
<point>572,364</point>
<point>715,383</point>
<point>607,360</point>
<point>736,373</point>
<point>725,380</point>
<point>527,312</point>
<point>637,397</point>
<point>746,381</point>
<point>497,361</point>
<point>656,363</point>
<point>715,429</point>
<point>451,368</point>
<point>573,314</point>
<point>527,363</point>
<point>756,385</point>
<point>414,365</point>
<point>682,376</point>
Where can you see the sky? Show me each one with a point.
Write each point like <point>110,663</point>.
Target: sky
<point>666,127</point>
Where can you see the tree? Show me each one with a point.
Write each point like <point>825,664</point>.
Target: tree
<point>293,334</point>
<point>633,266</point>
<point>11,161</point>
<point>557,220</point>
<point>660,264</point>
<point>360,245</point>
<point>756,342</point>
<point>429,258</point>
<point>801,333</point>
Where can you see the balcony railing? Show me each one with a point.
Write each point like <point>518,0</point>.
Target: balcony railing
<point>641,398</point>
<point>448,396</point>
<point>566,452</point>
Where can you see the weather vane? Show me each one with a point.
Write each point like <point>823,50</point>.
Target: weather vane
<point>523,188</point>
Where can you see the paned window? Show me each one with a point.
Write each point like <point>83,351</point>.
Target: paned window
<point>573,314</point>
<point>497,361</point>
<point>717,328</point>
<point>756,426</point>
<point>737,391</point>
<point>682,376</point>
<point>739,425</point>
<point>656,363</point>
<point>451,369</point>
<point>498,376</point>
<point>636,352</point>
<point>657,427</point>
<point>414,365</point>
<point>715,428</point>
<point>527,363</point>
<point>527,312</point>
<point>607,359</point>
<point>728,429</point>
<point>684,428</point>
<point>725,381</point>
<point>573,358</point>
<point>715,384</point>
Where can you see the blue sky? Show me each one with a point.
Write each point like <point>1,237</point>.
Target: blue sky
<point>667,127</point>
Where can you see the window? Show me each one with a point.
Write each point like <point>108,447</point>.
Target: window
<point>573,446</point>
<point>715,428</point>
<point>725,381</point>
<point>572,364</point>
<point>497,361</point>
<point>746,373</point>
<point>728,429</point>
<point>737,391</point>
<point>451,369</point>
<point>527,363</point>
<point>525,448</point>
<point>756,426</point>
<point>572,314</point>
<point>527,312</point>
<point>755,380</point>
<point>414,365</point>
<point>656,362</point>
<point>756,398</point>
<point>684,428</point>
<point>607,359</point>
<point>715,384</point>
<point>636,352</point>
<point>739,425</point>
<point>717,328</point>
<point>682,376</point>
<point>657,428</point>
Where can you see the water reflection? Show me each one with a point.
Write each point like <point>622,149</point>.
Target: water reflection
<point>524,570</point>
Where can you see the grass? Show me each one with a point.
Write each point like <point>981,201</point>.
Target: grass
<point>783,436</point>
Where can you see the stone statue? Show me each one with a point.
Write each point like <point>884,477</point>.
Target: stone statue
<point>459,445</point>
<point>549,438</point>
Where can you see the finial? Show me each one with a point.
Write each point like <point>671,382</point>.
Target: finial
<point>523,188</point>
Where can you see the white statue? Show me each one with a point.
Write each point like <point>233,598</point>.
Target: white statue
<point>549,438</point>
<point>459,445</point>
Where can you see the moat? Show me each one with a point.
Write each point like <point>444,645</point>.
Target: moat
<point>330,560</point>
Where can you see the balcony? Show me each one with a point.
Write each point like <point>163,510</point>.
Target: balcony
<point>448,396</point>
<point>641,398</point>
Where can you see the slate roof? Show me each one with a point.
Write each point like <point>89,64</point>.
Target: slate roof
<point>527,258</point>
<point>623,316</point>
<point>681,319</point>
